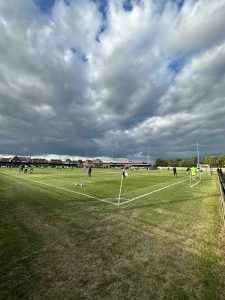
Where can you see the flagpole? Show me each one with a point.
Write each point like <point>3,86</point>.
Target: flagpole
<point>121,183</point>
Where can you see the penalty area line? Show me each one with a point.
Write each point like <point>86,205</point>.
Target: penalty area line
<point>67,190</point>
<point>144,195</point>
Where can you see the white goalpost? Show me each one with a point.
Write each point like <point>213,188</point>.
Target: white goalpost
<point>195,176</point>
<point>196,173</point>
<point>204,168</point>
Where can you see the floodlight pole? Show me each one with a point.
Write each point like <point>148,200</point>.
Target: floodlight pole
<point>198,153</point>
<point>121,183</point>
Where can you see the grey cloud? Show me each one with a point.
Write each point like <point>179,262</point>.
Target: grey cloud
<point>63,92</point>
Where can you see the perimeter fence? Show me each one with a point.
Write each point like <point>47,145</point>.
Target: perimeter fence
<point>221,177</point>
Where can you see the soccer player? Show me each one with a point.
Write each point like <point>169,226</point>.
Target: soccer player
<point>25,168</point>
<point>125,174</point>
<point>193,172</point>
<point>89,171</point>
<point>175,171</point>
<point>21,168</point>
<point>31,169</point>
<point>211,171</point>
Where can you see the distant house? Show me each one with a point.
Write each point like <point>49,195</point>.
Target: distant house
<point>4,161</point>
<point>55,162</point>
<point>137,165</point>
<point>74,163</point>
<point>131,164</point>
<point>88,163</point>
<point>107,164</point>
<point>69,162</point>
<point>39,161</point>
<point>14,159</point>
<point>20,159</point>
<point>97,163</point>
<point>80,163</point>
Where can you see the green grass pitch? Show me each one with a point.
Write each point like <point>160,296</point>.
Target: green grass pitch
<point>61,240</point>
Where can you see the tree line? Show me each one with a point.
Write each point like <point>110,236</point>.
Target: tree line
<point>213,161</point>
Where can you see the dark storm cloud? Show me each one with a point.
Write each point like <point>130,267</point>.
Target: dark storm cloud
<point>153,77</point>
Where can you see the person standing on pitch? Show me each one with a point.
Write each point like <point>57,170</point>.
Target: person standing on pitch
<point>21,168</point>
<point>89,171</point>
<point>124,173</point>
<point>175,171</point>
<point>193,172</point>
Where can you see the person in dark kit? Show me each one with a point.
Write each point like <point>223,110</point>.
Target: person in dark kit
<point>21,168</point>
<point>25,169</point>
<point>124,173</point>
<point>175,171</point>
<point>219,171</point>
<point>89,171</point>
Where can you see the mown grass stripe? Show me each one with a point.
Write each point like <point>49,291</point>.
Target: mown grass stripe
<point>67,190</point>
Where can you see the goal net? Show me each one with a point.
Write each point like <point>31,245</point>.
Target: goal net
<point>196,173</point>
<point>204,168</point>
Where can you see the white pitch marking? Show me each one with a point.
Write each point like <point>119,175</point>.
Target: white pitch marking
<point>102,200</point>
<point>165,187</point>
<point>195,183</point>
<point>86,195</point>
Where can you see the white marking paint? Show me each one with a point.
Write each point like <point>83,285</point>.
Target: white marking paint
<point>165,187</point>
<point>195,183</point>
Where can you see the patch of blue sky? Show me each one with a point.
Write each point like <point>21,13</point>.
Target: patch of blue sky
<point>128,5</point>
<point>176,65</point>
<point>77,51</point>
<point>46,5</point>
<point>162,5</point>
<point>100,31</point>
<point>179,3</point>
<point>103,9</point>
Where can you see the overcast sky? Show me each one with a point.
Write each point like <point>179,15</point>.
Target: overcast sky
<point>98,78</point>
